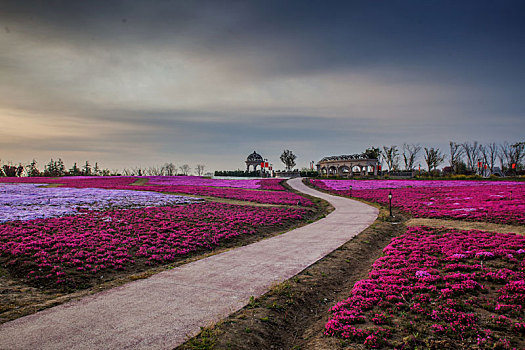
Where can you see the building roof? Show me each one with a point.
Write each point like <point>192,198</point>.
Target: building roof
<point>254,157</point>
<point>346,157</point>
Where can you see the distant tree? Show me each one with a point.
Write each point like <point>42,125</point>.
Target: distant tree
<point>472,153</point>
<point>32,169</point>
<point>200,169</point>
<point>75,170</point>
<point>489,154</point>
<point>169,169</point>
<point>288,158</point>
<point>410,153</point>
<point>127,172</point>
<point>185,169</point>
<point>433,158</point>
<point>372,153</point>
<point>512,154</point>
<point>86,169</point>
<point>154,171</point>
<point>456,152</point>
<point>391,156</point>
<point>518,153</point>
<point>96,170</point>
<point>60,168</point>
<point>55,168</point>
<point>19,170</point>
<point>12,170</point>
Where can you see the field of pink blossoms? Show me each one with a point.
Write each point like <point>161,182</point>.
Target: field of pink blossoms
<point>497,202</point>
<point>266,191</point>
<point>439,289</point>
<point>92,227</point>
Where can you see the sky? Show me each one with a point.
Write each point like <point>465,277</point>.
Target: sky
<point>140,83</point>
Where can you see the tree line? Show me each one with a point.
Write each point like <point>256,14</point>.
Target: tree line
<point>55,168</point>
<point>463,158</point>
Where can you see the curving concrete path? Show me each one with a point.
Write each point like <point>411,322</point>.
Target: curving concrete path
<point>162,311</point>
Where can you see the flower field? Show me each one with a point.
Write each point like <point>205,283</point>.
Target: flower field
<point>497,202</point>
<point>270,191</point>
<point>32,201</point>
<point>262,184</point>
<point>73,249</point>
<point>90,227</point>
<point>439,288</point>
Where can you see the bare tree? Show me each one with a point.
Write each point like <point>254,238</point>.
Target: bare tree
<point>507,156</point>
<point>185,169</point>
<point>472,153</point>
<point>169,169</point>
<point>127,172</point>
<point>512,154</point>
<point>391,155</point>
<point>518,152</point>
<point>138,171</point>
<point>489,153</point>
<point>200,169</point>
<point>456,152</point>
<point>153,171</point>
<point>410,155</point>
<point>433,158</point>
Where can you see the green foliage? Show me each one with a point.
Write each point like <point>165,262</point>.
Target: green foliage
<point>206,340</point>
<point>253,303</point>
<point>288,158</point>
<point>372,153</point>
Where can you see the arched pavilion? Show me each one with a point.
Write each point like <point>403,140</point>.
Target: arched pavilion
<point>255,160</point>
<point>348,165</point>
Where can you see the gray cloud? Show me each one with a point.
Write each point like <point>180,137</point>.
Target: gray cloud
<point>136,82</point>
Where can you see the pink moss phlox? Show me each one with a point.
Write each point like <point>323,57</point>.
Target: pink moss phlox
<point>400,283</point>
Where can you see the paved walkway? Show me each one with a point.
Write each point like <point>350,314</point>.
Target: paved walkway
<point>162,311</point>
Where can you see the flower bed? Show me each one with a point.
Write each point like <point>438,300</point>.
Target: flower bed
<point>125,183</point>
<point>439,288</point>
<point>470,200</point>
<point>263,184</point>
<point>74,249</point>
<point>32,201</point>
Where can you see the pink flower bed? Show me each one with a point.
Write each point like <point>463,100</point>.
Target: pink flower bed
<point>125,183</point>
<point>486,201</point>
<point>341,185</point>
<point>465,288</point>
<point>69,250</point>
<point>263,184</point>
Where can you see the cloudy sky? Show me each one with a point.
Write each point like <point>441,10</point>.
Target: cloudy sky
<point>139,83</point>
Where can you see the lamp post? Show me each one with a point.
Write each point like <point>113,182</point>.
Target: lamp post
<point>390,200</point>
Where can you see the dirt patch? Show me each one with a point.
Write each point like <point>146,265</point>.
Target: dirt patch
<point>467,225</point>
<point>19,298</point>
<point>140,182</point>
<point>292,315</point>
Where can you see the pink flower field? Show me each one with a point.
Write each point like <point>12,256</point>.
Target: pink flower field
<point>498,202</point>
<point>262,184</point>
<point>439,288</point>
<point>73,250</point>
<point>271,192</point>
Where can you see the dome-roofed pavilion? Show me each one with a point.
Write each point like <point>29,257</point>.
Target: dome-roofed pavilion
<point>254,159</point>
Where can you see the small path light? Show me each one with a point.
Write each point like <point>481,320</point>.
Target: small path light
<point>390,199</point>
<point>350,189</point>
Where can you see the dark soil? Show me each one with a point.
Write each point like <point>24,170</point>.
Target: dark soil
<point>18,298</point>
<point>292,315</point>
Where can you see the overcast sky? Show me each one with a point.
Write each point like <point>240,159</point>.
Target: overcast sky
<point>140,83</point>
